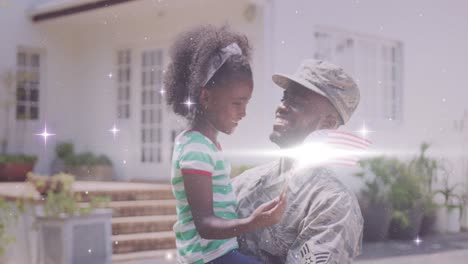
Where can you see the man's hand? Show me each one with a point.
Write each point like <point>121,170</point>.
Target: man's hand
<point>269,213</point>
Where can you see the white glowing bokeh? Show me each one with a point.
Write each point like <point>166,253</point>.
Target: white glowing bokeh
<point>189,103</point>
<point>45,134</point>
<point>312,154</point>
<point>417,240</point>
<point>114,130</point>
<point>89,251</point>
<point>162,92</point>
<point>364,131</point>
<point>169,255</point>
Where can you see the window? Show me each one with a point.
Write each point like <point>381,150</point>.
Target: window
<point>27,85</point>
<point>123,83</point>
<point>151,107</point>
<point>375,63</point>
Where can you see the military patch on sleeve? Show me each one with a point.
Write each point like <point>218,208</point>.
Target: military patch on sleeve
<point>309,257</point>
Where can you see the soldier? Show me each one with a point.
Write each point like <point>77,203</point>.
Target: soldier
<point>323,221</point>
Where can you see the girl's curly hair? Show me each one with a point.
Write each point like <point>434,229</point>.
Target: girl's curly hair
<point>190,55</point>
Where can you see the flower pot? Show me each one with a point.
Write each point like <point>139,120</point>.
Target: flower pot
<point>464,220</point>
<point>410,231</point>
<point>448,219</point>
<point>441,219</point>
<point>376,222</point>
<point>453,219</point>
<point>427,224</point>
<point>58,166</point>
<point>15,171</point>
<point>76,239</point>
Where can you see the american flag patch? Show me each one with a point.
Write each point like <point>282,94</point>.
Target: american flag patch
<point>332,147</point>
<point>351,144</point>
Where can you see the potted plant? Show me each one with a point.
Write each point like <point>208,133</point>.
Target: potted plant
<point>85,166</point>
<point>449,212</point>
<point>425,168</point>
<point>8,215</point>
<point>374,197</point>
<point>407,201</point>
<point>8,79</point>
<point>15,167</point>
<point>464,224</point>
<point>63,150</point>
<point>68,231</point>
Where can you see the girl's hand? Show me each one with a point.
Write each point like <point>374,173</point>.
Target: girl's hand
<point>269,213</point>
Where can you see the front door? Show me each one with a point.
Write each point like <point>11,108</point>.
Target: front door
<point>154,126</point>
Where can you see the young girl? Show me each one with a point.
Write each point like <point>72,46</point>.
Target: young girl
<point>209,82</point>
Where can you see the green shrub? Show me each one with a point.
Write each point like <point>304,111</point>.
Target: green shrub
<point>64,150</point>
<point>17,159</point>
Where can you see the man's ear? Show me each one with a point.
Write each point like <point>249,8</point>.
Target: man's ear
<point>331,121</point>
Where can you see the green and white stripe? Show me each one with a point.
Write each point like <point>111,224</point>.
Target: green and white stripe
<point>195,153</point>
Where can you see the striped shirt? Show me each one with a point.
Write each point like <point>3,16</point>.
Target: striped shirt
<point>196,154</point>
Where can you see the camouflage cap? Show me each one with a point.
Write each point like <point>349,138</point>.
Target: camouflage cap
<point>327,80</point>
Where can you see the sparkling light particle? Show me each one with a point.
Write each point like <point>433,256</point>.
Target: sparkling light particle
<point>364,131</point>
<point>169,255</point>
<point>189,103</point>
<point>114,130</point>
<point>110,75</point>
<point>162,92</point>
<point>45,134</point>
<point>89,251</point>
<point>417,240</point>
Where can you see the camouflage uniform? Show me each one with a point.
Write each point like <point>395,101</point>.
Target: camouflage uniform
<point>322,222</point>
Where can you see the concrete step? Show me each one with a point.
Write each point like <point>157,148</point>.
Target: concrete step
<point>155,256</point>
<point>143,208</point>
<point>128,243</point>
<point>119,191</point>
<point>142,224</point>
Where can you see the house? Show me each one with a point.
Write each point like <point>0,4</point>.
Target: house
<point>83,69</point>
<point>99,63</point>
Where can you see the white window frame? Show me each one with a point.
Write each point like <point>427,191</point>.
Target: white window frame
<point>28,84</point>
<point>152,107</point>
<point>124,83</point>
